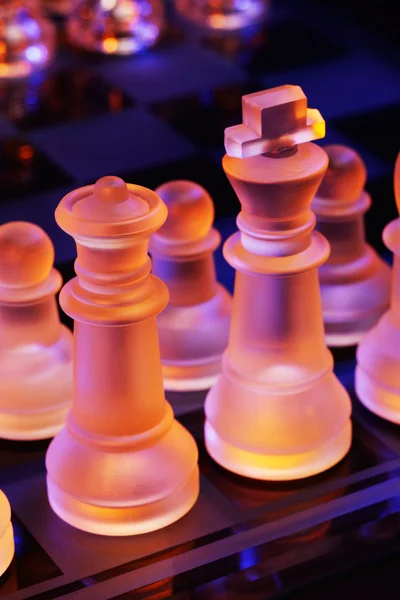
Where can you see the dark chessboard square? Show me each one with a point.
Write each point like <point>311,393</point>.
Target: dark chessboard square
<point>173,73</point>
<point>343,87</point>
<point>6,128</point>
<point>25,170</point>
<point>15,456</point>
<point>366,452</point>
<point>378,131</point>
<point>203,117</point>
<point>198,168</point>
<point>288,564</point>
<point>282,45</point>
<point>110,144</point>
<point>378,426</point>
<point>31,563</point>
<point>60,97</point>
<point>285,565</point>
<point>98,559</point>
<point>379,17</point>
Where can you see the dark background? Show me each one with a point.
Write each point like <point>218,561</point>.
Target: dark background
<point>161,115</point>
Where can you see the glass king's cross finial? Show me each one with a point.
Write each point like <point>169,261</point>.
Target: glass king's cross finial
<point>274,119</point>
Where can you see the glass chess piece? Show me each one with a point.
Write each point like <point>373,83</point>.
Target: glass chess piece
<point>354,281</point>
<point>194,327</point>
<point>277,411</point>
<point>6,534</point>
<point>35,348</point>
<point>27,39</point>
<point>223,15</point>
<point>378,354</point>
<point>122,465</point>
<point>116,26</point>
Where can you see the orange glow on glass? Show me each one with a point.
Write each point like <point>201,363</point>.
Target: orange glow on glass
<point>277,412</point>
<point>194,327</point>
<point>123,465</point>
<point>6,534</point>
<point>355,282</point>
<point>35,349</point>
<point>378,355</point>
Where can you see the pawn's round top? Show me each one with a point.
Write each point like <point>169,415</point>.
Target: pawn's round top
<point>345,177</point>
<point>110,202</point>
<point>190,212</point>
<point>27,255</point>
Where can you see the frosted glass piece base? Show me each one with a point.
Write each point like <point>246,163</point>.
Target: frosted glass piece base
<point>193,340</point>
<point>377,372</point>
<point>36,389</point>
<point>354,298</point>
<point>289,430</point>
<point>35,426</point>
<point>283,467</point>
<point>335,337</point>
<point>6,549</point>
<point>376,397</point>
<point>342,340</point>
<point>117,485</point>
<point>186,378</point>
<point>127,520</point>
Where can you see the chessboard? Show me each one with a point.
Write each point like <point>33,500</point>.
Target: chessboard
<point>161,116</point>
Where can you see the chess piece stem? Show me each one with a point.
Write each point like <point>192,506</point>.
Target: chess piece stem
<point>190,281</point>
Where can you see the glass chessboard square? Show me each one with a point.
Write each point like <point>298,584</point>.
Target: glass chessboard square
<point>282,45</point>
<point>14,455</point>
<point>379,17</point>
<point>371,130</point>
<point>366,452</point>
<point>202,117</point>
<point>59,97</point>
<point>314,563</point>
<point>306,565</point>
<point>31,563</point>
<point>25,170</point>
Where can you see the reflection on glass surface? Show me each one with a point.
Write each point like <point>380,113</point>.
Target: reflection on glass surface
<point>223,15</point>
<point>116,26</point>
<point>26,39</point>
